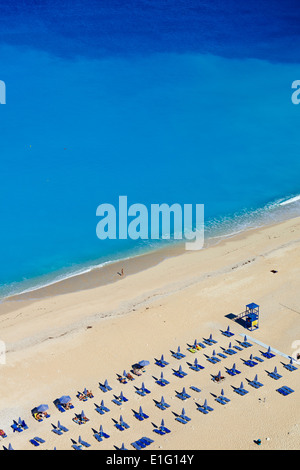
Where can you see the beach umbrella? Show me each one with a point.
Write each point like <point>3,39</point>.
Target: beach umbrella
<point>42,408</point>
<point>64,399</point>
<point>144,363</point>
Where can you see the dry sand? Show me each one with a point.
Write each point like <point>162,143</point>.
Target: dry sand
<point>62,339</point>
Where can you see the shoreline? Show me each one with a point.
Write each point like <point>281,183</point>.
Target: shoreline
<point>109,271</point>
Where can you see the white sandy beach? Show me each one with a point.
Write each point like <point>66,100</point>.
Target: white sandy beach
<point>60,343</point>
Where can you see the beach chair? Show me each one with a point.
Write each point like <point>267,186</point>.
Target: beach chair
<point>205,409</point>
<point>178,354</point>
<point>84,443</point>
<point>222,399</point>
<point>233,371</point>
<point>258,359</point>
<point>254,383</point>
<point>179,373</point>
<point>16,427</point>
<point>196,366</point>
<point>75,446</point>
<point>285,390</point>
<point>56,430</point>
<point>97,436</point>
<point>162,382</point>
<point>274,374</point>
<point>105,387</point>
<point>214,357</point>
<point>123,424</point>
<point>22,424</point>
<point>3,434</point>
<point>229,351</point>
<point>227,333</point>
<point>61,427</point>
<point>246,343</point>
<point>290,366</point>
<point>240,390</point>
<point>196,389</point>
<point>117,401</point>
<point>102,409</point>
<point>162,405</point>
<point>183,395</point>
<point>137,446</point>
<point>34,442</point>
<point>250,362</point>
<point>161,362</point>
<point>102,433</point>
<point>162,429</point>
<point>8,448</point>
<point>238,348</point>
<point>268,354</point>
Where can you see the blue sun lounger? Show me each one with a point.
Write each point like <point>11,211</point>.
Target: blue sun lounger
<point>162,429</point>
<point>180,373</point>
<point>142,443</point>
<point>161,362</point>
<point>105,387</point>
<point>178,354</point>
<point>268,354</point>
<point>143,390</point>
<point>227,333</point>
<point>183,395</point>
<point>84,443</point>
<point>275,374</point>
<point>250,362</point>
<point>285,390</point>
<point>196,389</point>
<point>254,383</point>
<point>61,427</point>
<point>241,390</point>
<point>102,433</point>
<point>222,399</point>
<point>233,371</point>
<point>56,430</point>
<point>196,366</point>
<point>246,343</point>
<point>122,425</point>
<point>205,409</point>
<point>97,436</point>
<point>34,442</point>
<point>16,427</point>
<point>162,405</point>
<point>229,351</point>
<point>162,382</point>
<point>290,366</point>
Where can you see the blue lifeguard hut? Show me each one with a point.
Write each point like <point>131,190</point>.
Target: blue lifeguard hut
<point>250,316</point>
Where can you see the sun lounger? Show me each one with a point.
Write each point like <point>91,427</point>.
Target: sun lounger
<point>162,382</point>
<point>268,354</point>
<point>180,420</point>
<point>161,362</point>
<point>229,351</point>
<point>3,434</point>
<point>205,409</point>
<point>246,343</point>
<point>84,443</point>
<point>34,442</point>
<point>250,362</point>
<point>241,390</point>
<point>76,447</point>
<point>56,430</point>
<point>16,427</point>
<point>178,354</point>
<point>233,371</point>
<point>254,383</point>
<point>179,373</point>
<point>162,429</point>
<point>102,433</point>
<point>290,366</point>
<point>162,405</point>
<point>196,366</point>
<point>258,359</point>
<point>237,347</point>
<point>183,395</point>
<point>285,390</point>
<point>98,437</point>
<point>61,427</point>
<point>105,387</point>
<point>136,446</point>
<point>196,389</point>
<point>227,333</point>
<point>275,374</point>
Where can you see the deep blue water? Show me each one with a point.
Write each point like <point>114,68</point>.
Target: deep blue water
<point>165,102</point>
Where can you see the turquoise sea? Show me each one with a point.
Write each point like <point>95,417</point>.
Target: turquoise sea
<point>164,102</point>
